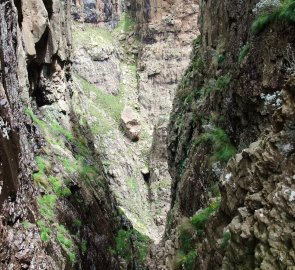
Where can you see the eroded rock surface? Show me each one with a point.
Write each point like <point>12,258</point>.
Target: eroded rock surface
<point>130,123</point>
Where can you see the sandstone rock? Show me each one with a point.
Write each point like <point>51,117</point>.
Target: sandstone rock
<point>131,124</point>
<point>35,21</point>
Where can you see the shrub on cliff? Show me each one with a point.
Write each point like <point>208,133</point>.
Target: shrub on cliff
<point>222,147</point>
<point>285,12</point>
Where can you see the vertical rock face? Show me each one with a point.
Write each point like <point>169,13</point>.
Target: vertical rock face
<point>234,98</point>
<point>51,212</point>
<point>106,12</point>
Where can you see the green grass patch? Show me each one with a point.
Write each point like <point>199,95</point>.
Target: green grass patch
<point>186,261</point>
<point>92,36</point>
<point>225,240</point>
<point>83,246</point>
<point>44,231</point>
<point>62,236</point>
<point>222,147</point>
<point>132,184</point>
<point>199,220</point>
<point>77,223</point>
<point>223,81</point>
<point>126,24</point>
<point>110,103</point>
<point>124,241</point>
<point>58,187</point>
<point>34,118</point>
<point>26,224</point>
<point>47,204</point>
<point>244,51</point>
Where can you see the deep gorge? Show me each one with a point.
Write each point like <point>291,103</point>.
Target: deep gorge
<point>147,134</point>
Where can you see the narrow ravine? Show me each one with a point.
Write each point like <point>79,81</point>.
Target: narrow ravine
<point>147,135</point>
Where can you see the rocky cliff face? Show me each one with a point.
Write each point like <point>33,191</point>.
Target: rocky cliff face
<point>234,98</point>
<point>56,208</point>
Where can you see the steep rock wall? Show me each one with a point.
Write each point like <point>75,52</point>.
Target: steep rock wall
<point>57,211</point>
<point>235,92</point>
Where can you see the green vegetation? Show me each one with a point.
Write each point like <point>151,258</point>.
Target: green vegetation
<point>225,240</point>
<point>34,118</point>
<point>108,102</point>
<point>222,147</point>
<point>214,190</point>
<point>44,167</point>
<point>90,35</point>
<point>285,13</point>
<point>47,204</point>
<point>223,81</point>
<point>244,51</point>
<point>195,68</point>
<point>58,188</point>
<point>83,246</point>
<point>186,261</point>
<point>187,254</point>
<point>77,223</point>
<point>132,184</point>
<point>65,242</point>
<point>26,224</point>
<point>199,220</point>
<point>126,24</point>
<point>96,36</point>
<point>186,236</point>
<point>44,231</point>
<point>124,241</point>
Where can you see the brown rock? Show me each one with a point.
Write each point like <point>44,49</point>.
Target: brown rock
<point>131,123</point>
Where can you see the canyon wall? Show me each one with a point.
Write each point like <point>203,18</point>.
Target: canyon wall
<point>147,53</point>
<point>56,209</point>
<point>231,144</point>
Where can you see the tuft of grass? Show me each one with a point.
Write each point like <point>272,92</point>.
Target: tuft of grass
<point>186,236</point>
<point>47,204</point>
<point>58,188</point>
<point>44,231</point>
<point>83,246</point>
<point>225,240</point>
<point>223,81</point>
<point>283,13</point>
<point>126,241</point>
<point>77,223</point>
<point>199,220</point>
<point>244,51</point>
<point>72,257</point>
<point>44,167</point>
<point>93,36</point>
<point>62,236</point>
<point>123,243</point>
<point>34,118</point>
<point>222,147</point>
<point>186,261</point>
<point>57,128</point>
<point>26,224</point>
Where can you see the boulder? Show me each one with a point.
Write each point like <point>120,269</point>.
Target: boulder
<point>130,123</point>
